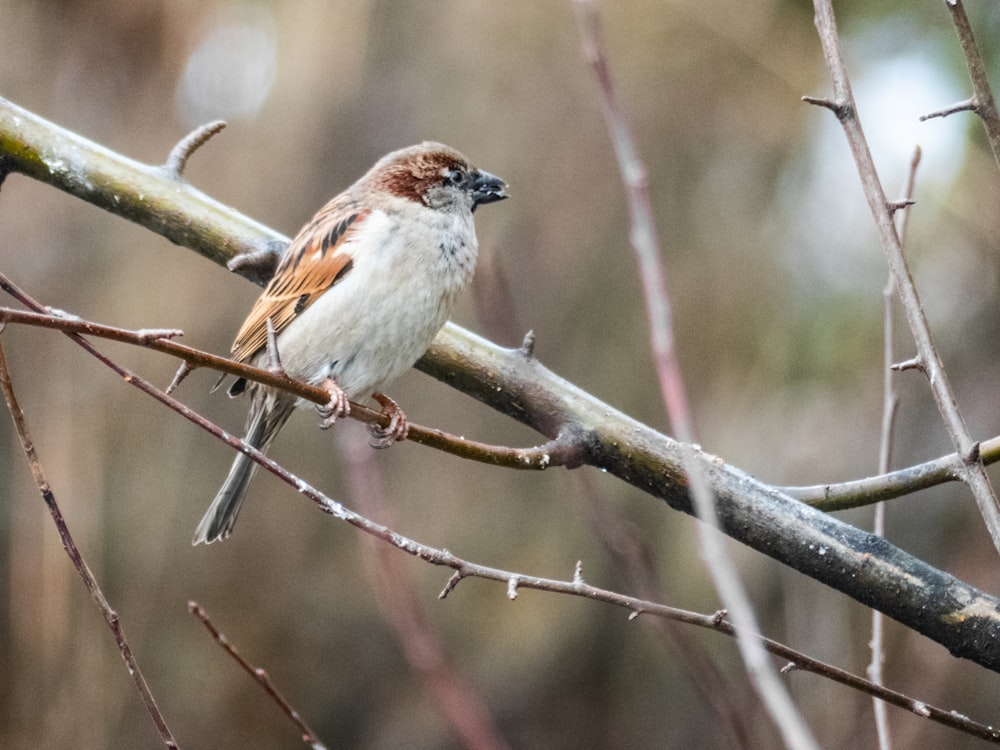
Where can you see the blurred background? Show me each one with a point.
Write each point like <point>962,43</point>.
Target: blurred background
<point>775,275</point>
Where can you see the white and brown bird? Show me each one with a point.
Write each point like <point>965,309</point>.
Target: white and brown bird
<point>358,297</point>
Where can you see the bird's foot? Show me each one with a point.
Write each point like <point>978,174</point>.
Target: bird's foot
<point>396,430</point>
<point>339,405</point>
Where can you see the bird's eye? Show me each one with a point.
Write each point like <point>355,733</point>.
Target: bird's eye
<point>458,177</point>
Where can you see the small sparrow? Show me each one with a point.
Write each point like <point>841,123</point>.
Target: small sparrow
<point>357,298</point>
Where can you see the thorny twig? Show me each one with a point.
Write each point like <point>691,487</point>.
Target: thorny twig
<point>76,557</point>
<point>558,452</point>
<point>973,472</point>
<point>260,676</point>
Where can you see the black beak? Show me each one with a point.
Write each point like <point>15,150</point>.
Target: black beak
<point>487,188</point>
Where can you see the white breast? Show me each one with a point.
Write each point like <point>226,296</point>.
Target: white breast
<point>409,266</point>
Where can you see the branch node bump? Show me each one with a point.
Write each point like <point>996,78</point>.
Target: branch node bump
<point>973,455</point>
<point>527,348</point>
<point>895,206</point>
<point>149,335</point>
<point>179,154</point>
<point>790,667</point>
<point>719,617</point>
<point>578,573</point>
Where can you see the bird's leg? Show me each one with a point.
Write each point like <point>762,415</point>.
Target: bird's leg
<point>338,407</point>
<point>397,429</point>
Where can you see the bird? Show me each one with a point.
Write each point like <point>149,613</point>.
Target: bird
<point>357,298</point>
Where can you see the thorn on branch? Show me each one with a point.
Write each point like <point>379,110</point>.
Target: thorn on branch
<point>839,107</point>
<point>895,206</point>
<point>719,617</point>
<point>578,573</point>
<point>917,363</point>
<point>274,365</point>
<point>634,614</point>
<point>527,348</point>
<point>182,372</point>
<point>969,105</point>
<point>179,154</point>
<point>452,583</point>
<point>790,667</point>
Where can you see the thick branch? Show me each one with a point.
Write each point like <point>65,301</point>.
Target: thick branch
<point>960,617</point>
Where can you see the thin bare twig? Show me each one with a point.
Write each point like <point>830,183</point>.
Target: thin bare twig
<point>967,105</point>
<point>561,451</point>
<point>260,676</point>
<point>973,473</point>
<point>76,557</point>
<point>890,402</point>
<point>458,701</point>
<point>858,493</point>
<point>645,243</point>
<point>630,549</point>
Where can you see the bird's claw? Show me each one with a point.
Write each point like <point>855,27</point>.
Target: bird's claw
<point>397,429</point>
<point>339,405</point>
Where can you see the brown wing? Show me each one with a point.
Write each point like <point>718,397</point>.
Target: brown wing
<point>314,261</point>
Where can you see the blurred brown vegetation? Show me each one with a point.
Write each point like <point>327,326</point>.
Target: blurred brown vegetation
<point>775,276</point>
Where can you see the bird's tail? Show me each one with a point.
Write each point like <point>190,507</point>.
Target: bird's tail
<point>264,421</point>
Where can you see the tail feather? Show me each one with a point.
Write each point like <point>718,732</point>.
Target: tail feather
<point>262,425</point>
